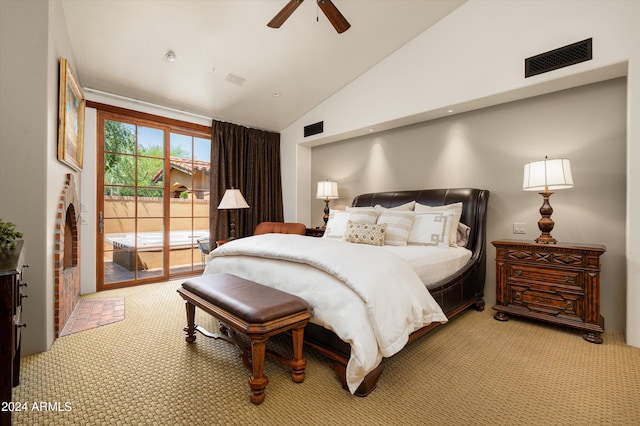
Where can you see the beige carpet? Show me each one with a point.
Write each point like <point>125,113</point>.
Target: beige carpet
<point>473,371</point>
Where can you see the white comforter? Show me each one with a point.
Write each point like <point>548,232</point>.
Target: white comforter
<point>370,298</point>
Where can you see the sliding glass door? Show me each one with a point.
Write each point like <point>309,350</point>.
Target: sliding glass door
<point>154,204</point>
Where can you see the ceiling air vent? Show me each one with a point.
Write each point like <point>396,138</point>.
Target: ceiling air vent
<point>558,58</point>
<point>314,129</point>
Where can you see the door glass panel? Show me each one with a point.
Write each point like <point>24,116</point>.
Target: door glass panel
<point>119,249</point>
<point>151,205</point>
<point>150,142</point>
<point>119,137</point>
<point>150,173</point>
<point>119,170</point>
<point>116,206</point>
<point>182,244</point>
<point>151,263</point>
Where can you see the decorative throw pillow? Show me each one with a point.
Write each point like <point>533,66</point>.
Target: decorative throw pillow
<point>431,229</point>
<point>365,233</point>
<point>462,237</point>
<point>363,214</point>
<point>398,226</point>
<point>337,224</point>
<point>455,208</point>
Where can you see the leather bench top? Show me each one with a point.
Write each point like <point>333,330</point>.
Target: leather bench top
<point>250,301</point>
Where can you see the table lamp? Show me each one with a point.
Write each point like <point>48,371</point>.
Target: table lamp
<point>232,200</point>
<point>547,176</point>
<point>327,191</point>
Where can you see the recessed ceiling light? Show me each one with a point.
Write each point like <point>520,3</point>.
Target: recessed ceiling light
<point>212,70</point>
<point>170,56</point>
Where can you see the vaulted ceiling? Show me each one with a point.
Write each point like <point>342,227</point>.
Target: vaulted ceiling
<point>229,65</point>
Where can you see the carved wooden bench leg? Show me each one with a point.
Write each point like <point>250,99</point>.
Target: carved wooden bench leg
<point>298,364</point>
<point>190,329</point>
<point>258,381</point>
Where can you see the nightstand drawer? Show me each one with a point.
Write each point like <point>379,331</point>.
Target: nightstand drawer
<point>543,299</point>
<point>551,276</point>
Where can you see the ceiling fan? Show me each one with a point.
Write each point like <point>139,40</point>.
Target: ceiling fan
<point>330,10</point>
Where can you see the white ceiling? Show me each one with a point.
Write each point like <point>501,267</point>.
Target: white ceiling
<point>119,47</point>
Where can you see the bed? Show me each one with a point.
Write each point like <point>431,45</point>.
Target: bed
<point>370,301</point>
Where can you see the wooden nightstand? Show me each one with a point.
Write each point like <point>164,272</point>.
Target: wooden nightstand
<point>314,232</point>
<point>556,283</point>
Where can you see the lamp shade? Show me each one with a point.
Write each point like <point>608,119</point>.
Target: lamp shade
<point>547,175</point>
<point>327,190</point>
<point>233,199</point>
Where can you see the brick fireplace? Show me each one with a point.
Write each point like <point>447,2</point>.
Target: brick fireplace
<point>67,254</point>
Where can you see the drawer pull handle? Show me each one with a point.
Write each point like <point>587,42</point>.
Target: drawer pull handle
<point>24,296</point>
<point>23,325</point>
<point>567,278</point>
<point>518,273</point>
<point>23,284</point>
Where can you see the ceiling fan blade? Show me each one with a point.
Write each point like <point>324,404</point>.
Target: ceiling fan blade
<point>334,16</point>
<point>284,14</point>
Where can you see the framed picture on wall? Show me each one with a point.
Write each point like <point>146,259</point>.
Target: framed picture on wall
<point>70,119</point>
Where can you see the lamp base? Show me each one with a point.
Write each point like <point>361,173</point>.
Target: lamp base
<point>546,239</point>
<point>326,213</point>
<point>545,224</point>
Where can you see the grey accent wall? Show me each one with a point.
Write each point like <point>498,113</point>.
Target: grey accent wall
<point>487,149</point>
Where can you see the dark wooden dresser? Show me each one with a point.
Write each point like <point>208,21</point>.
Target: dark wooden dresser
<point>556,283</point>
<point>11,266</point>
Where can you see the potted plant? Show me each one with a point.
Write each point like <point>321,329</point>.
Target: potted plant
<point>8,235</point>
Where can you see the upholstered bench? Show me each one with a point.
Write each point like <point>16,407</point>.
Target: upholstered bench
<point>254,310</point>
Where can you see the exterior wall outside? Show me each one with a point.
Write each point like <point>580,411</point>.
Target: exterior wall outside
<point>153,207</point>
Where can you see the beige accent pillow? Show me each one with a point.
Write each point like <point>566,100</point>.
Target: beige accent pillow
<point>398,226</point>
<point>337,225</point>
<point>363,214</point>
<point>365,233</point>
<point>431,229</point>
<point>455,209</point>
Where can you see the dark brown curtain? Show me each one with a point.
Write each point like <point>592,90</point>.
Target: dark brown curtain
<point>247,159</point>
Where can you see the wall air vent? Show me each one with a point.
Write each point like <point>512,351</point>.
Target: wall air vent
<point>314,129</point>
<point>558,58</point>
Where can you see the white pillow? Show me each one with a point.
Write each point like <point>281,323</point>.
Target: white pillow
<point>363,214</point>
<point>455,209</point>
<point>337,224</point>
<point>405,207</point>
<point>431,229</point>
<point>398,226</point>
